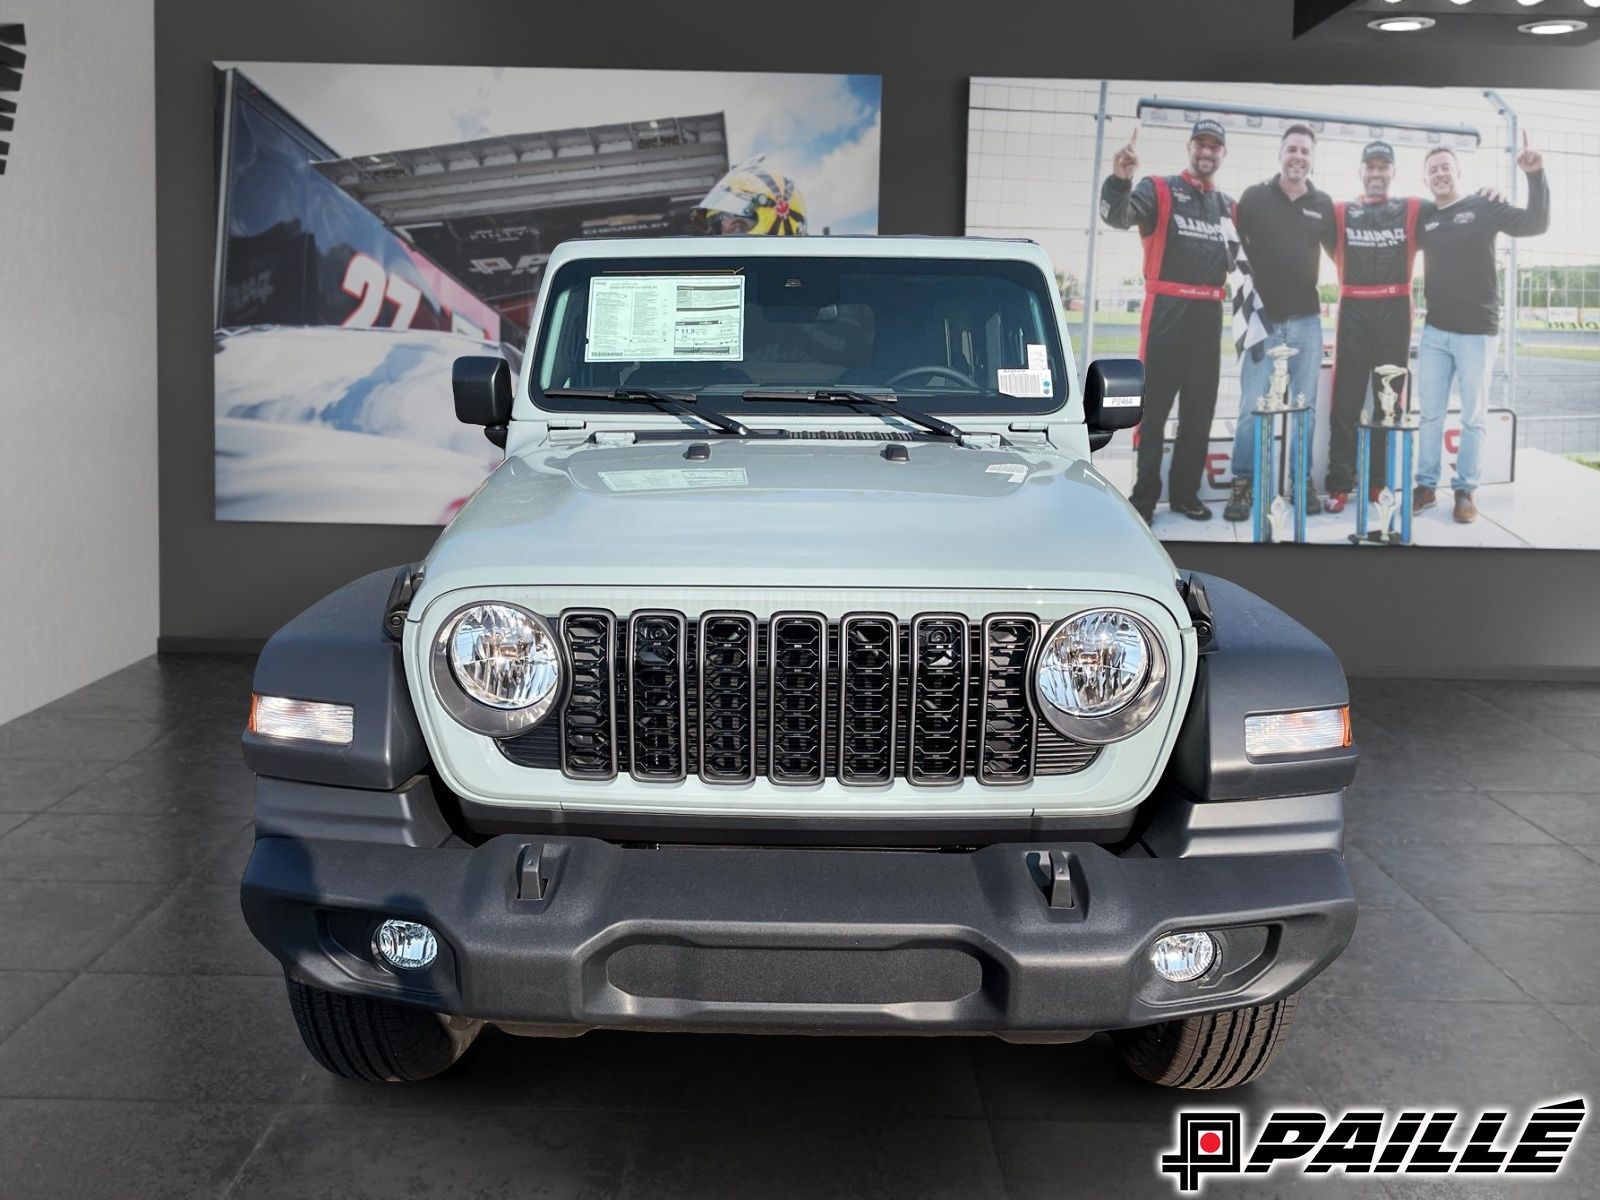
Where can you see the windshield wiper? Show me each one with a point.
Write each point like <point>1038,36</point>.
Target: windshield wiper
<point>677,405</point>
<point>883,405</point>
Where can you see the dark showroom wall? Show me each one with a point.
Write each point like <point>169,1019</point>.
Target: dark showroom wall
<point>1397,611</point>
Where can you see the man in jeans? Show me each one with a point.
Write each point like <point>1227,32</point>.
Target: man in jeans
<point>1463,296</point>
<point>1284,225</point>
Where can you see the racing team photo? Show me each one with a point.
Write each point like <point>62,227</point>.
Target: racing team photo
<point>1368,316</point>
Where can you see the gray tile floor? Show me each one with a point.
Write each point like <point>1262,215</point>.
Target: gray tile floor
<point>146,1046</point>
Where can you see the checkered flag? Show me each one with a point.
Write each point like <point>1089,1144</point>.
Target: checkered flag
<point>1249,328</point>
<point>12,58</point>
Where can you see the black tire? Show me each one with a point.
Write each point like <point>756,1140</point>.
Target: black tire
<point>1210,1051</point>
<point>372,1040</point>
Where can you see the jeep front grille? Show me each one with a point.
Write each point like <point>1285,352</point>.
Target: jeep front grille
<point>937,749</point>
<point>727,661</point>
<point>1006,727</point>
<point>658,703</point>
<point>869,673</point>
<point>797,699</point>
<point>589,721</point>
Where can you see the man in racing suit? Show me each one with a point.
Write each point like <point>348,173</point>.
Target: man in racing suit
<point>1181,219</point>
<point>1375,248</point>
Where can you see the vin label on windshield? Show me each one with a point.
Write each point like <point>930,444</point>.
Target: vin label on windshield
<point>666,318</point>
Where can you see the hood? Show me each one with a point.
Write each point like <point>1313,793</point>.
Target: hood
<point>801,513</point>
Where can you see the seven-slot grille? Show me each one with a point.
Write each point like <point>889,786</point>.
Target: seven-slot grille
<point>798,698</point>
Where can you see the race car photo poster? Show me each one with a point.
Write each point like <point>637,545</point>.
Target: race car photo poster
<point>375,222</point>
<point>1369,316</point>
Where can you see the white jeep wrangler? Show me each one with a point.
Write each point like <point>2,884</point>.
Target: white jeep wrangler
<point>797,670</point>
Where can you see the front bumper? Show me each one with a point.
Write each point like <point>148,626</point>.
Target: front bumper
<point>845,941</point>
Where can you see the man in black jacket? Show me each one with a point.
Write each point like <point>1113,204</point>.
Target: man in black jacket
<point>1181,219</point>
<point>1284,225</point>
<point>1463,296</point>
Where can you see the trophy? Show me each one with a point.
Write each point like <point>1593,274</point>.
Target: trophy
<point>1271,521</point>
<point>1386,405</point>
<point>1280,519</point>
<point>1277,398</point>
<point>1398,428</point>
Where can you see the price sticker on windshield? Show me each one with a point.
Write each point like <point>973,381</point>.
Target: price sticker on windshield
<point>665,318</point>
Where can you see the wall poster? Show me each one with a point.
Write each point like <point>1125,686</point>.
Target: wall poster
<point>1385,302</point>
<point>376,222</point>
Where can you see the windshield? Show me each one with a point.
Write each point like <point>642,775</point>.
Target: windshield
<point>961,337</point>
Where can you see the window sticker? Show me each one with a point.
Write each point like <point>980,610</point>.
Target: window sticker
<point>1038,358</point>
<point>675,479</point>
<point>1025,384</point>
<point>665,318</point>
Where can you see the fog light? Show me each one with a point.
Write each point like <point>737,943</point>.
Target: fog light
<point>1181,957</point>
<point>405,944</point>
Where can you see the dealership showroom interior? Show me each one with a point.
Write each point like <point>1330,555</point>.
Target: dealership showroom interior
<point>847,600</point>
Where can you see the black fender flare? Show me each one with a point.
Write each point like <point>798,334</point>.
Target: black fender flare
<point>1261,661</point>
<point>338,651</point>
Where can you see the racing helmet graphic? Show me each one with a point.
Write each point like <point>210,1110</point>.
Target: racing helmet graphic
<point>752,198</point>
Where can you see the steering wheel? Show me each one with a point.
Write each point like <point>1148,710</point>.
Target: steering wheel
<point>960,377</point>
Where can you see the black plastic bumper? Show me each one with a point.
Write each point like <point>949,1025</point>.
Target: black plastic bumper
<point>794,939</point>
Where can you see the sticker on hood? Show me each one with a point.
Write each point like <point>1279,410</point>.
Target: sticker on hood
<point>675,479</point>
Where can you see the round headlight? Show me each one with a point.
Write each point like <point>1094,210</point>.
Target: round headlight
<point>497,668</point>
<point>1101,675</point>
<point>1094,663</point>
<point>503,656</point>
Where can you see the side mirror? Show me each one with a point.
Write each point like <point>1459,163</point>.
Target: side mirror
<point>1113,397</point>
<point>482,385</point>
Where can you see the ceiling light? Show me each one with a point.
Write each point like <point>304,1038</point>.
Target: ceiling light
<point>1552,28</point>
<point>1400,24</point>
<point>1470,1</point>
<point>1529,3</point>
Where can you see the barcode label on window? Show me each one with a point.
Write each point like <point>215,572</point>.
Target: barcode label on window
<point>1025,384</point>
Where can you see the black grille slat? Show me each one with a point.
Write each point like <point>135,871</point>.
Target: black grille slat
<point>992,708</point>
<point>1057,754</point>
<point>726,697</point>
<point>936,752</point>
<point>1007,726</point>
<point>658,700</point>
<point>797,695</point>
<point>539,748</point>
<point>589,717</point>
<point>868,660</point>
